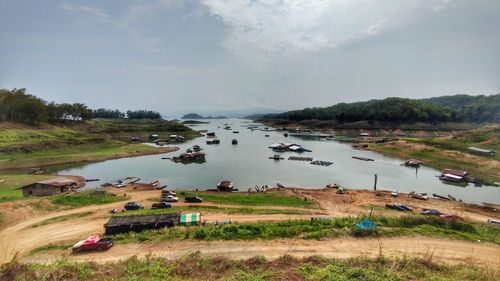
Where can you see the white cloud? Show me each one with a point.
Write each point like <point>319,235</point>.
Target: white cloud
<point>261,28</point>
<point>95,12</point>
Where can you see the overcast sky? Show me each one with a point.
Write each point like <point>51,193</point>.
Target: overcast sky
<point>181,55</point>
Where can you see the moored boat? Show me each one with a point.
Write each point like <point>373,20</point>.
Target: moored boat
<point>225,185</point>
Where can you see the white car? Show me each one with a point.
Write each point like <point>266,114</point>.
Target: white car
<point>170,198</point>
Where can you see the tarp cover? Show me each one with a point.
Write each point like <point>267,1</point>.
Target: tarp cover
<point>190,219</point>
<point>366,224</point>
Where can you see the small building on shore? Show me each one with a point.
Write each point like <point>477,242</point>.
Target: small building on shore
<point>480,151</point>
<point>50,187</point>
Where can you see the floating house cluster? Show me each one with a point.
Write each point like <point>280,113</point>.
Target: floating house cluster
<point>282,147</point>
<point>190,157</point>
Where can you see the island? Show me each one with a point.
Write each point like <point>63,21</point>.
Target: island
<point>198,116</point>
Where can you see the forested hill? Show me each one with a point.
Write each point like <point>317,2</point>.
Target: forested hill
<point>404,110</point>
<point>471,108</point>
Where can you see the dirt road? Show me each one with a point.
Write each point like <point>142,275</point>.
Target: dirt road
<point>436,249</point>
<point>19,237</point>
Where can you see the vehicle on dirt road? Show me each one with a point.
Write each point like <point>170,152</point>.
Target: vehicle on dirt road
<point>133,206</point>
<point>193,199</point>
<point>169,198</point>
<point>93,243</point>
<point>161,205</point>
<point>451,217</point>
<point>430,212</point>
<point>399,207</point>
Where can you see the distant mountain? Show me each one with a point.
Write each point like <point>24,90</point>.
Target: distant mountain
<point>198,116</point>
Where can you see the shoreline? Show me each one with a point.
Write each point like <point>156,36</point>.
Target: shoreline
<point>405,150</point>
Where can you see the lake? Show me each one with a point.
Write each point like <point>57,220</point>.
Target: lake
<point>247,164</point>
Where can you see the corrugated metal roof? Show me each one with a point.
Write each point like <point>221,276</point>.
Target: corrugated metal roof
<point>57,181</point>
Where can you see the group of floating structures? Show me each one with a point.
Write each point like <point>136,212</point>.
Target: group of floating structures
<point>282,147</point>
<point>300,158</point>
<point>322,163</point>
<point>190,157</point>
<point>213,141</point>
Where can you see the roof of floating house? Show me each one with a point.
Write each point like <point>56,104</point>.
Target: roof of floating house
<point>480,150</point>
<point>452,176</point>
<point>190,219</point>
<point>458,173</point>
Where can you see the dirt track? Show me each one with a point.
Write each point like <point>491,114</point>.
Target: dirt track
<point>19,237</point>
<point>438,249</point>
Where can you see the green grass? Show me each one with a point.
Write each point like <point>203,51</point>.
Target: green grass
<point>62,218</point>
<point>319,229</point>
<point>1,217</point>
<point>197,267</point>
<point>24,137</point>
<point>81,199</point>
<point>75,153</point>
<point>214,209</point>
<point>253,199</point>
<point>50,247</point>
<point>95,140</point>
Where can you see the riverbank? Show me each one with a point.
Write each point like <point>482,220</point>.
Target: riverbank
<point>24,146</point>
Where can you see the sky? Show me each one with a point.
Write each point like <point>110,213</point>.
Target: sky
<point>178,56</point>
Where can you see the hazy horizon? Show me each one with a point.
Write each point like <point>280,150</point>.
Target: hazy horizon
<point>182,56</point>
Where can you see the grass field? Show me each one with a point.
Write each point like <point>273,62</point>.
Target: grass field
<point>78,153</point>
<point>196,267</point>
<point>214,209</point>
<point>24,146</point>
<point>62,218</point>
<point>252,199</point>
<point>321,228</point>
<point>81,199</point>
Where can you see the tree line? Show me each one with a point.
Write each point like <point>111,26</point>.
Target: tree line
<point>400,110</point>
<point>17,105</point>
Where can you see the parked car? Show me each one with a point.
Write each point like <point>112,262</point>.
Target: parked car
<point>193,199</point>
<point>161,205</point>
<point>494,221</point>
<point>399,207</point>
<point>430,212</point>
<point>93,243</point>
<point>133,206</point>
<point>169,198</point>
<point>451,217</point>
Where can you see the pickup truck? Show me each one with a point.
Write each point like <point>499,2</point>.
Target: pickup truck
<point>93,243</point>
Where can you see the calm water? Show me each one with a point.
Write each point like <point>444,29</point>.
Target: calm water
<point>247,165</point>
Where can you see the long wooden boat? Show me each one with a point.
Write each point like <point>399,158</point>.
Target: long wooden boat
<point>362,158</point>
